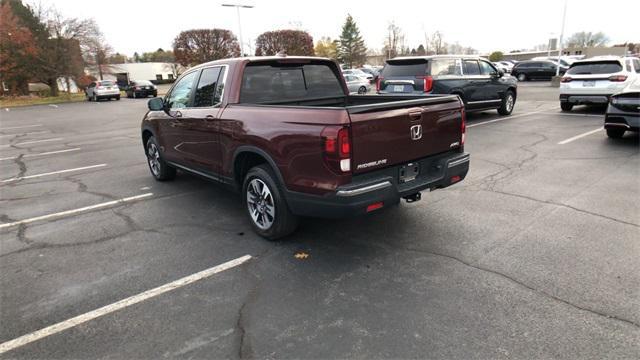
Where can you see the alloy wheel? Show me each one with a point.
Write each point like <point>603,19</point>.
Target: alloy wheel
<point>260,203</point>
<point>153,155</point>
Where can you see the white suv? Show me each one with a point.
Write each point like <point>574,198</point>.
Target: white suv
<point>594,80</point>
<point>104,89</point>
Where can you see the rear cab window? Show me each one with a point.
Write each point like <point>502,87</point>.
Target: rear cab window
<point>595,67</point>
<point>273,81</point>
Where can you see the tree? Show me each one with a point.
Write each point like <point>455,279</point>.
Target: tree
<point>18,52</point>
<point>351,50</point>
<point>438,46</point>
<point>587,39</point>
<point>193,47</point>
<point>325,47</point>
<point>117,58</point>
<point>421,50</point>
<point>292,42</point>
<point>394,44</point>
<point>496,56</point>
<point>159,55</point>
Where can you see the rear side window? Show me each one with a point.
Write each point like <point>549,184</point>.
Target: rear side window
<point>636,65</point>
<point>443,67</point>
<point>471,67</point>
<point>600,67</point>
<point>276,82</point>
<point>404,68</point>
<point>209,88</point>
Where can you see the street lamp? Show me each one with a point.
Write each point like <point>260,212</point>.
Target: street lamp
<point>564,17</point>
<point>238,6</point>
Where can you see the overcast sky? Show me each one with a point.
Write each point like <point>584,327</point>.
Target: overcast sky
<point>136,25</point>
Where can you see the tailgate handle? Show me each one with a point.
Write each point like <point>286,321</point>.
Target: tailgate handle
<point>415,115</point>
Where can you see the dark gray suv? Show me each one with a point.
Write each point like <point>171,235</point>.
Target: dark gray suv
<point>478,83</point>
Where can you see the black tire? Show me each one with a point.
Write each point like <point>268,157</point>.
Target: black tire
<point>615,133</point>
<point>522,77</point>
<point>508,103</point>
<point>160,170</point>
<point>282,222</point>
<point>362,90</point>
<point>118,97</point>
<point>566,106</point>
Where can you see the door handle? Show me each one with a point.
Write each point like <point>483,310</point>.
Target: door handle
<point>209,118</point>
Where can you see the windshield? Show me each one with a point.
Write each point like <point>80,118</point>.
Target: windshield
<point>106,83</point>
<point>143,82</point>
<point>600,67</point>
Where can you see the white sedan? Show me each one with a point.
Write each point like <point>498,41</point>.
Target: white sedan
<point>357,85</point>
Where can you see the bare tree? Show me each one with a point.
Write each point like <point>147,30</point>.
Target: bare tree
<point>587,39</point>
<point>395,42</point>
<point>438,46</point>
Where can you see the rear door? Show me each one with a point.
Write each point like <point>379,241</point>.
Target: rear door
<point>403,131</point>
<point>405,76</point>
<point>476,83</point>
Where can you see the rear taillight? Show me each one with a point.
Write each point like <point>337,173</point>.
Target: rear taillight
<point>566,79</point>
<point>428,82</point>
<point>378,83</point>
<point>618,78</point>
<point>337,148</point>
<point>463,127</point>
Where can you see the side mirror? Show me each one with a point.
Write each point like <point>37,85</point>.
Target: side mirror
<point>500,73</point>
<point>156,104</point>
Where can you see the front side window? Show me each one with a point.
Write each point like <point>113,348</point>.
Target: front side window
<point>209,88</point>
<point>181,93</point>
<point>471,67</point>
<point>443,67</point>
<point>486,68</point>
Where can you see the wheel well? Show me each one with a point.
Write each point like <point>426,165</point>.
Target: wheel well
<point>514,90</point>
<point>146,134</point>
<point>244,162</point>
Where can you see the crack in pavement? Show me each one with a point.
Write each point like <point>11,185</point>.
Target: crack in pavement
<point>523,284</point>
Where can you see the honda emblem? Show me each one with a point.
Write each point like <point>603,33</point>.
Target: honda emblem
<point>416,132</point>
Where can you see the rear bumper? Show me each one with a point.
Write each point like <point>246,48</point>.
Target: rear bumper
<point>383,186</point>
<point>622,120</point>
<point>584,99</point>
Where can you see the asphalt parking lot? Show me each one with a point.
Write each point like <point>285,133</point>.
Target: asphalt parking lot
<point>534,255</point>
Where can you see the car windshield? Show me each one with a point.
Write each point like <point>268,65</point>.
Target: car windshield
<point>106,83</point>
<point>143,82</point>
<point>600,67</point>
<point>405,68</point>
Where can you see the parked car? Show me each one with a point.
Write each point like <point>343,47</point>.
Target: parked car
<point>141,88</point>
<point>623,112</point>
<point>285,132</point>
<point>536,70</point>
<point>594,80</point>
<point>478,83</point>
<point>358,73</point>
<point>500,66</point>
<point>357,84</point>
<point>507,64</point>
<point>103,89</point>
<point>565,61</point>
<point>371,71</point>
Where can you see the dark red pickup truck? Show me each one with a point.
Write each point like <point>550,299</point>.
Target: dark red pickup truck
<point>285,132</point>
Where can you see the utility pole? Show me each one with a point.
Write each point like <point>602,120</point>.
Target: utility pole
<point>564,17</point>
<point>238,6</point>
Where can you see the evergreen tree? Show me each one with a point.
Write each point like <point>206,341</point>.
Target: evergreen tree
<point>351,50</point>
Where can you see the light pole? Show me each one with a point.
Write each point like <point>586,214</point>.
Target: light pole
<point>238,6</point>
<point>564,16</point>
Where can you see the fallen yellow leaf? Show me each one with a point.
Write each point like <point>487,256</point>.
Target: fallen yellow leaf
<point>301,255</point>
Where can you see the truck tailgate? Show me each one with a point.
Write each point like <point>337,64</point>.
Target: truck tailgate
<point>401,131</point>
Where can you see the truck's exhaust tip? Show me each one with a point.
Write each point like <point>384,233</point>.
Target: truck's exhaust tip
<point>413,197</point>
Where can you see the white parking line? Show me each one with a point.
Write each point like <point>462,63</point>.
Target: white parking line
<point>566,141</point>
<point>20,127</point>
<point>53,173</point>
<point>506,118</point>
<point>76,211</point>
<point>40,154</point>
<point>570,114</point>
<point>25,134</point>
<point>32,142</point>
<point>132,300</point>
